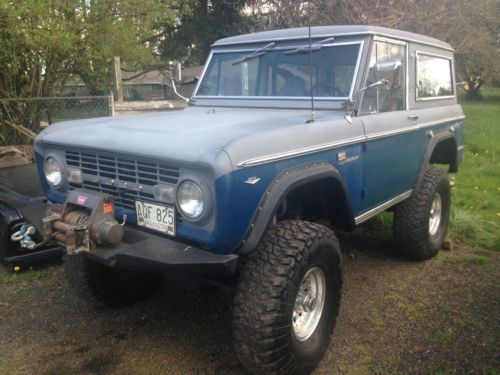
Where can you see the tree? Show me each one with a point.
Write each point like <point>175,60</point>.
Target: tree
<point>200,23</point>
<point>471,27</point>
<point>277,14</point>
<point>43,43</point>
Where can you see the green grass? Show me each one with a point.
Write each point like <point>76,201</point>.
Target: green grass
<point>475,216</point>
<point>464,259</point>
<point>9,278</point>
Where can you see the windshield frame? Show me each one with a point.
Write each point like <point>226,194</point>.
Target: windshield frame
<point>214,51</point>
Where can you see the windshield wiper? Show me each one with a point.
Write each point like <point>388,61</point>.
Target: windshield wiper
<point>314,47</point>
<point>256,53</point>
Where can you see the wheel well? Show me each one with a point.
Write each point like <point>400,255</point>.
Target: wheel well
<point>445,152</point>
<point>323,201</point>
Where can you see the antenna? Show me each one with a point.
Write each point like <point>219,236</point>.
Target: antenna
<point>310,63</point>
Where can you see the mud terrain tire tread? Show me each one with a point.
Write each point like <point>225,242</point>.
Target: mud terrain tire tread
<point>102,285</point>
<point>411,217</point>
<point>262,330</point>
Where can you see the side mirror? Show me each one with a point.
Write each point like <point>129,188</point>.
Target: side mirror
<point>388,66</point>
<point>176,78</point>
<point>381,82</point>
<point>193,81</point>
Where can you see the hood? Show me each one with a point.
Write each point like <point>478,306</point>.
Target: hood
<point>193,135</point>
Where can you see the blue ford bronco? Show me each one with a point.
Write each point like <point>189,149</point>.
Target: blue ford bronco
<point>290,135</point>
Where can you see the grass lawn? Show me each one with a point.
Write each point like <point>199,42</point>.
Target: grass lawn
<point>476,194</point>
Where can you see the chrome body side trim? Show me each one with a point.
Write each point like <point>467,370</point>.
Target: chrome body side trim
<point>384,206</point>
<point>326,146</point>
<point>299,152</point>
<point>413,128</point>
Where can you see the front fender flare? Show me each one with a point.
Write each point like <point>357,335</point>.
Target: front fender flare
<point>279,188</point>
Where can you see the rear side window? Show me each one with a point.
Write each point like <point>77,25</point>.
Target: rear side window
<point>433,77</point>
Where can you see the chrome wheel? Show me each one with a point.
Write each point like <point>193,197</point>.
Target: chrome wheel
<point>309,304</point>
<point>435,214</point>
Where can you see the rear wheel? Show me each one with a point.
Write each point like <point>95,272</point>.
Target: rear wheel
<point>100,284</point>
<point>421,222</point>
<point>287,299</point>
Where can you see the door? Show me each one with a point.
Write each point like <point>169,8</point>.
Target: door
<point>393,150</point>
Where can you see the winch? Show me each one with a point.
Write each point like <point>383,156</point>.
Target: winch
<point>86,219</point>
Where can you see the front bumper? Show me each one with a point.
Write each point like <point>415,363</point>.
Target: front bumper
<point>144,251</point>
<point>138,250</point>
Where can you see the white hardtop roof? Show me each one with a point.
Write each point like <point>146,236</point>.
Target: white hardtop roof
<point>327,31</point>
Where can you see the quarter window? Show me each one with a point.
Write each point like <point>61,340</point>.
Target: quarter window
<point>433,77</point>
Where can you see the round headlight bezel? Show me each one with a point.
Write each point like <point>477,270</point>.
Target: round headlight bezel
<point>196,214</point>
<point>49,165</point>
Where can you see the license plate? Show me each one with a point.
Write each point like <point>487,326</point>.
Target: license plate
<point>156,217</point>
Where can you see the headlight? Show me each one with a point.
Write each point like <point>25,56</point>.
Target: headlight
<point>190,200</point>
<point>53,171</point>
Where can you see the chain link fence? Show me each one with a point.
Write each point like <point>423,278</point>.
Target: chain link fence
<point>22,118</point>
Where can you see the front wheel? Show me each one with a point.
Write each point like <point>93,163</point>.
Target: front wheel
<point>421,222</point>
<point>287,299</point>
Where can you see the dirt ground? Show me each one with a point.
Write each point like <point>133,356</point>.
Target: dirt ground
<point>440,316</point>
<point>397,316</point>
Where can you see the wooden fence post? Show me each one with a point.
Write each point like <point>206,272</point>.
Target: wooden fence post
<point>118,79</point>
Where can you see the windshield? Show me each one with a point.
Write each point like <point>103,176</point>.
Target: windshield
<point>282,72</point>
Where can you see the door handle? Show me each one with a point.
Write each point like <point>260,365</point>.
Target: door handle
<point>413,117</point>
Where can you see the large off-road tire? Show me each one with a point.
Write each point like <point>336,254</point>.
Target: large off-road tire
<point>421,222</point>
<point>99,284</point>
<point>287,299</point>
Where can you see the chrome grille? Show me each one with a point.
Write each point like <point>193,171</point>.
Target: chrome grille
<point>126,179</point>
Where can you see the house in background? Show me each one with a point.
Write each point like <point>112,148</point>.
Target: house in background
<point>156,85</point>
<point>148,86</point>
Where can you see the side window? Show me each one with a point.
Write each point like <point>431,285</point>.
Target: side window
<point>387,61</point>
<point>433,77</point>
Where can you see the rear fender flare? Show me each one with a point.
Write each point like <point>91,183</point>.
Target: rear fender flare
<point>435,140</point>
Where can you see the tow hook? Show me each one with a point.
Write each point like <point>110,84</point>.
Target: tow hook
<point>86,220</point>
<point>24,237</point>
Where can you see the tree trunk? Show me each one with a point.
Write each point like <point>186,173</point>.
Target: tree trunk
<point>472,88</point>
